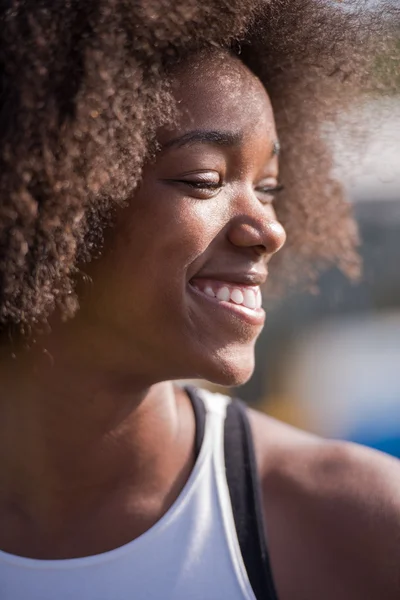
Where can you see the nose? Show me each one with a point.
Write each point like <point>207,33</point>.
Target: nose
<point>265,235</point>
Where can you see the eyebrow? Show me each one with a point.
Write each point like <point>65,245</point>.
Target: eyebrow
<point>216,137</point>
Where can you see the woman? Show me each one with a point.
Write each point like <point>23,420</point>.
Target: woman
<point>140,138</point>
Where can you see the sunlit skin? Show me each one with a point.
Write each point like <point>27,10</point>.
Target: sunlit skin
<point>204,210</point>
<point>96,442</point>
<point>98,390</point>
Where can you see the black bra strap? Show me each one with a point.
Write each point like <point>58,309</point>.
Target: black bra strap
<point>245,493</point>
<point>244,490</point>
<point>199,415</point>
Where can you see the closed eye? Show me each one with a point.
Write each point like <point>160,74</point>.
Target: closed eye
<point>269,189</point>
<point>201,185</point>
<point>269,192</point>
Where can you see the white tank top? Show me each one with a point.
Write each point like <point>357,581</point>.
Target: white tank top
<point>191,553</point>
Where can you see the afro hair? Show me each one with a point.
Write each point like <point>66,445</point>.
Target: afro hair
<point>84,88</point>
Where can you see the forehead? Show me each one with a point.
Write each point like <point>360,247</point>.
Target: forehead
<point>221,92</point>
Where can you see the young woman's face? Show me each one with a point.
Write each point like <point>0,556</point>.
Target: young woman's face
<point>183,275</point>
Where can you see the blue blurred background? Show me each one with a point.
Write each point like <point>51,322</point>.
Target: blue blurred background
<point>330,362</point>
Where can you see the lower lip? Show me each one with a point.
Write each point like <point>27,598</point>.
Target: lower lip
<point>255,317</point>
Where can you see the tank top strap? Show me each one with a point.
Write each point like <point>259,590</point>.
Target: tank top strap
<point>215,404</point>
<point>238,488</point>
<point>246,499</point>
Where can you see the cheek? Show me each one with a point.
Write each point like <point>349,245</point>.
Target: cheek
<point>166,232</point>
<point>156,240</point>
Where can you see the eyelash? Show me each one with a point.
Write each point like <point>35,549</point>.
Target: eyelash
<point>271,191</point>
<point>203,185</point>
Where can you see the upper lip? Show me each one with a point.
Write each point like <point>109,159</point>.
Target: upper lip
<point>239,277</point>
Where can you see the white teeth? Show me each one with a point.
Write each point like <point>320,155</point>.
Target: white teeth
<point>237,296</point>
<point>258,299</point>
<point>249,299</point>
<point>223,294</point>
<point>209,291</point>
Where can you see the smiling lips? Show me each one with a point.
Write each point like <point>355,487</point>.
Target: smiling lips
<point>248,296</point>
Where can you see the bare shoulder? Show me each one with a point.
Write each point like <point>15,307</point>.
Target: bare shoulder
<point>332,512</point>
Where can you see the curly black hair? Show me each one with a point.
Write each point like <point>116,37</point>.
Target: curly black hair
<point>84,87</point>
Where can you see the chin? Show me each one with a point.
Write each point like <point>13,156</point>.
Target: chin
<point>230,369</point>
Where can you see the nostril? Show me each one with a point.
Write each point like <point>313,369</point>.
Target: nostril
<point>260,250</point>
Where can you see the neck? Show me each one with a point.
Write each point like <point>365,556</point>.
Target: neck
<point>76,440</point>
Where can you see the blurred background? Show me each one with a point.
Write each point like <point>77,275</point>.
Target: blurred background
<point>330,362</point>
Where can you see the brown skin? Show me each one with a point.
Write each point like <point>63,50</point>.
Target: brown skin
<point>91,430</point>
<point>173,232</point>
<point>96,443</point>
<point>332,511</point>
